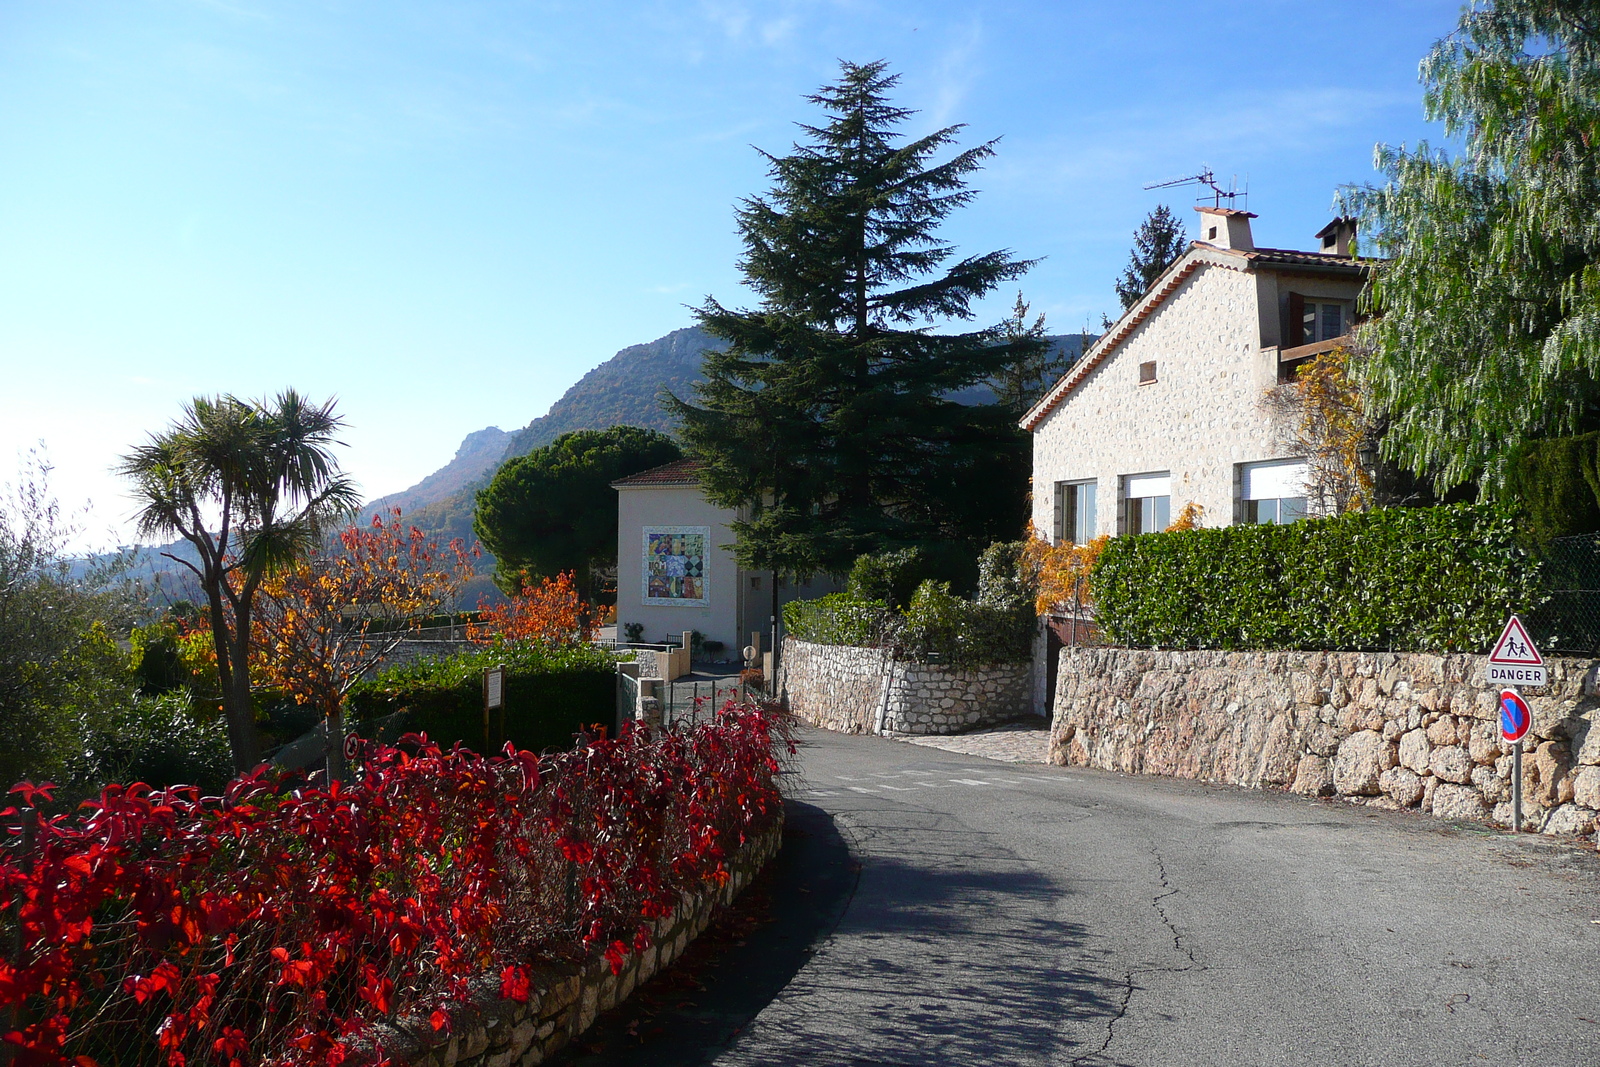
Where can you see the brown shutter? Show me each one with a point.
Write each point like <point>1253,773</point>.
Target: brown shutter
<point>1294,335</point>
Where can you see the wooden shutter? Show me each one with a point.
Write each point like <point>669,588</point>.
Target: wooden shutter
<point>1294,335</point>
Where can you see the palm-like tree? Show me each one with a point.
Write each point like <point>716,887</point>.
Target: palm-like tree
<point>253,486</point>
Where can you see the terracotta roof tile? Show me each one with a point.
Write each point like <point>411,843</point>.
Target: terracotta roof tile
<point>678,472</point>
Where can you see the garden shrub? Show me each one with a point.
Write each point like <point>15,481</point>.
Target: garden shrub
<point>551,694</point>
<point>837,619</point>
<point>1411,579</point>
<point>965,633</point>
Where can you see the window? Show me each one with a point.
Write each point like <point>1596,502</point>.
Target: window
<point>1075,512</point>
<point>1147,502</point>
<point>1273,492</point>
<point>755,581</point>
<point>1311,321</point>
<point>1147,372</point>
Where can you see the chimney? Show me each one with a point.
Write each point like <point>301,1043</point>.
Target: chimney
<point>1226,227</point>
<point>1337,236</point>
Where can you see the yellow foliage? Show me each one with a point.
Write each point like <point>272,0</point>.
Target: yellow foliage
<point>1192,517</point>
<point>1062,571</point>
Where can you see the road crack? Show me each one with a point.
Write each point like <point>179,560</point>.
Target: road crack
<point>1111,1023</point>
<point>1168,889</point>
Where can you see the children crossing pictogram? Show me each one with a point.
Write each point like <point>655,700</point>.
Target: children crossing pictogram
<point>1515,659</point>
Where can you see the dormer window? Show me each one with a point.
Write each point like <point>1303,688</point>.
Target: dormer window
<point>1312,320</point>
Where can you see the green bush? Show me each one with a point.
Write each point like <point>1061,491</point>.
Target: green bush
<point>551,694</point>
<point>1557,485</point>
<point>964,633</point>
<point>837,619</point>
<point>161,741</point>
<point>1413,579</point>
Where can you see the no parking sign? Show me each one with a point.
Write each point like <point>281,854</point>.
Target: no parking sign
<point>1515,718</point>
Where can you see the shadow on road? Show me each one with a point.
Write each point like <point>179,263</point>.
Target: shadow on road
<point>953,951</point>
<point>691,1011</point>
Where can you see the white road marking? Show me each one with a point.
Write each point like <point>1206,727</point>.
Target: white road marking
<point>862,789</point>
<point>968,781</point>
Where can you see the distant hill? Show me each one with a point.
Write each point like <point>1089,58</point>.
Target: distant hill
<point>480,454</point>
<point>625,390</point>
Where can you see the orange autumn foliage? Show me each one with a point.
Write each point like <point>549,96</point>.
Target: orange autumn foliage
<point>1062,571</point>
<point>322,624</point>
<point>550,613</point>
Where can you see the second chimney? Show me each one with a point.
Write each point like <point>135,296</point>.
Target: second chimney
<point>1226,227</point>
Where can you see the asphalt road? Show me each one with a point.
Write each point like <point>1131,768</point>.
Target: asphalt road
<point>1006,914</point>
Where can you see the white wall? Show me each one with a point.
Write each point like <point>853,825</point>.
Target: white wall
<point>1202,416</point>
<point>641,506</point>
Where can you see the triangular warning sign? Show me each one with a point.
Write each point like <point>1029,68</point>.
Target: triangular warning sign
<point>1515,646</point>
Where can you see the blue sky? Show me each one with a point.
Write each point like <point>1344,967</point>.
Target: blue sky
<point>444,213</point>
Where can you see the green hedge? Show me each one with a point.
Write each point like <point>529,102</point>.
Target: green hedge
<point>934,623</point>
<point>837,619</point>
<point>1412,579</point>
<point>551,694</point>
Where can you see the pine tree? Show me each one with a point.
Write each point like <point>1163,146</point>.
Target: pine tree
<point>826,417</point>
<point>1485,324</point>
<point>1157,244</point>
<point>1035,362</point>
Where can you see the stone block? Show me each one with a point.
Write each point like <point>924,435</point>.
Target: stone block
<point>1443,731</point>
<point>1415,750</point>
<point>1586,787</point>
<point>1483,748</point>
<point>1493,787</point>
<point>1313,777</point>
<point>1361,759</point>
<point>1569,819</point>
<point>1451,764</point>
<point>1403,785</point>
<point>1451,801</point>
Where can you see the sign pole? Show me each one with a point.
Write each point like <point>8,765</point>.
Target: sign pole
<point>1516,787</point>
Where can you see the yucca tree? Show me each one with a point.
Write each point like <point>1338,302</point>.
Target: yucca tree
<point>253,486</point>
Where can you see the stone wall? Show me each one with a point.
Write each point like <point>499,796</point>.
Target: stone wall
<point>1394,730</point>
<point>494,1032</point>
<point>868,690</point>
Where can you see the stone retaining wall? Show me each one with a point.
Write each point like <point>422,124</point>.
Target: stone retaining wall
<point>867,690</point>
<point>1395,730</point>
<point>493,1032</point>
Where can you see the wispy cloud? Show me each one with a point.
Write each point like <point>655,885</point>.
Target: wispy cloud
<point>956,72</point>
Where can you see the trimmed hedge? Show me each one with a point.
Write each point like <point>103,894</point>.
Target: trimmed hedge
<point>551,694</point>
<point>1406,579</point>
<point>837,619</point>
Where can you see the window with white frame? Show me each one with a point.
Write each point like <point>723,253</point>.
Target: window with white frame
<point>1146,502</point>
<point>1273,492</point>
<point>1075,512</point>
<point>1312,319</point>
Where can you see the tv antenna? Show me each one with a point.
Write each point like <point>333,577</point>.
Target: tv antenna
<point>1218,194</point>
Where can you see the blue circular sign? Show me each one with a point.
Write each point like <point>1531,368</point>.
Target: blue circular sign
<point>1515,718</point>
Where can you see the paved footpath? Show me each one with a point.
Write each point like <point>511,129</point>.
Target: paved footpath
<point>1028,914</point>
<point>1013,743</point>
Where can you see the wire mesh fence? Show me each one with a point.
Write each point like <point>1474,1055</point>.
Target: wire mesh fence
<point>1569,619</point>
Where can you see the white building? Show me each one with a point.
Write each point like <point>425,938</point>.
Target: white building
<point>1167,408</point>
<point>675,565</point>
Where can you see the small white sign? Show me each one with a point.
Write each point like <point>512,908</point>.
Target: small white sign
<point>494,688</point>
<point>1515,659</point>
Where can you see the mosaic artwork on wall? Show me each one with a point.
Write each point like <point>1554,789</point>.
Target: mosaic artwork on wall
<point>675,565</point>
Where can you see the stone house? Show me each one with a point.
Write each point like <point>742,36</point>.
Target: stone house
<point>676,570</point>
<point>1167,409</point>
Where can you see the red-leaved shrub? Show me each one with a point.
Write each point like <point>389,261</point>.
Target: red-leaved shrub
<point>280,925</point>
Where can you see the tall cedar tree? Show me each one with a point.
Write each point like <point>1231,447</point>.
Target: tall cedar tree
<point>1484,319</point>
<point>1157,244</point>
<point>826,414</point>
